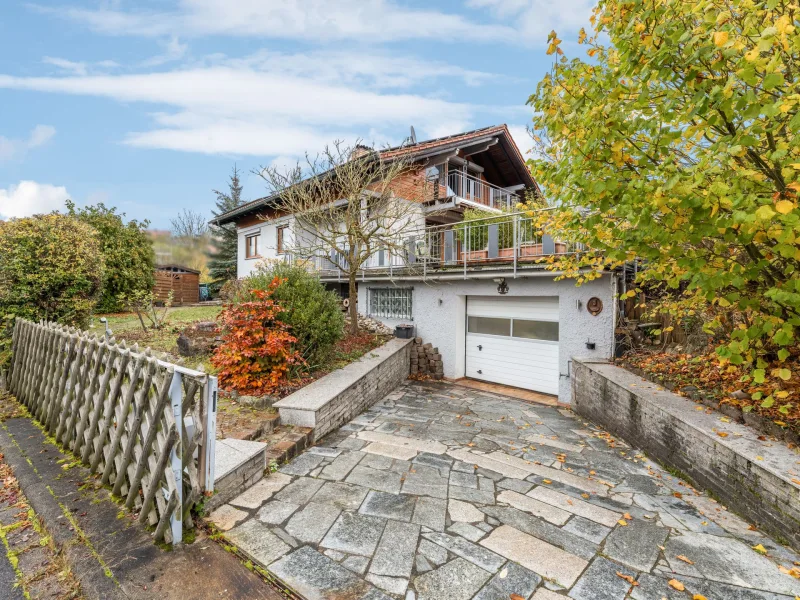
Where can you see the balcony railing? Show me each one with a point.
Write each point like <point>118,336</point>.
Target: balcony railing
<point>465,187</point>
<point>510,241</point>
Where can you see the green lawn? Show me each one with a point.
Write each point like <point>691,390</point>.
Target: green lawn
<point>126,327</point>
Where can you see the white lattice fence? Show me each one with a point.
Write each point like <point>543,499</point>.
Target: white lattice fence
<point>146,425</point>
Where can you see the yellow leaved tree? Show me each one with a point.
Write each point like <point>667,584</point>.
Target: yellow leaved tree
<point>675,140</point>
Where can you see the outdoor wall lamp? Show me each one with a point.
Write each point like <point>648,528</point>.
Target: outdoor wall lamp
<point>502,286</point>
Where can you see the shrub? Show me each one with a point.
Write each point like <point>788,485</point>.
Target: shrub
<point>144,304</point>
<point>6,332</point>
<point>127,253</point>
<point>313,313</point>
<point>51,268</point>
<point>257,349</point>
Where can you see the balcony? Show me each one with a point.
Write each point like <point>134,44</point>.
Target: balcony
<point>469,190</point>
<point>511,242</point>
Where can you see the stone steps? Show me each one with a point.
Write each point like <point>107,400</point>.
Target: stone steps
<point>241,463</point>
<point>238,464</point>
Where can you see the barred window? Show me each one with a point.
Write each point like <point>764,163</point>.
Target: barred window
<point>393,303</point>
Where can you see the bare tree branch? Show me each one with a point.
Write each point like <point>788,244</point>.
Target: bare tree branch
<point>348,206</point>
<point>189,224</point>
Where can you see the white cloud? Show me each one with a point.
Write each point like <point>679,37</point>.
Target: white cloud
<point>17,148</point>
<point>40,135</point>
<point>222,109</point>
<point>73,67</point>
<point>173,50</point>
<point>534,19</point>
<point>522,138</point>
<point>31,198</point>
<point>375,69</point>
<point>76,68</point>
<point>362,20</point>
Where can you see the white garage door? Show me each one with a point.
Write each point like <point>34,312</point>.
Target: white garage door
<point>513,341</point>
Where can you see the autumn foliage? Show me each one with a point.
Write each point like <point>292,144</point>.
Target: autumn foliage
<point>257,350</point>
<point>674,141</point>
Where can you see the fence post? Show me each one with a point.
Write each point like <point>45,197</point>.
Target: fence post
<point>210,433</point>
<point>176,456</point>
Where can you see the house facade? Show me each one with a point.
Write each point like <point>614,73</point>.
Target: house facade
<point>478,289</point>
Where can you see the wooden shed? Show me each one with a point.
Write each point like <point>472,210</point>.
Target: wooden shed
<point>183,282</point>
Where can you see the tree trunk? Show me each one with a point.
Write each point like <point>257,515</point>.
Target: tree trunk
<point>353,308</point>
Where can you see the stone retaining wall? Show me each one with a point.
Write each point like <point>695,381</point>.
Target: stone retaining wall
<point>747,475</point>
<point>336,398</point>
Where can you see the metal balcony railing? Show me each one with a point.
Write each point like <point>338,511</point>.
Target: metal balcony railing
<point>511,240</point>
<point>466,187</point>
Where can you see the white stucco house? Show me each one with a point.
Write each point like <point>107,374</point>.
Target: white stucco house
<point>480,292</point>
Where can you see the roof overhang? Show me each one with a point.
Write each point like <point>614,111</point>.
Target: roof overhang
<point>427,153</point>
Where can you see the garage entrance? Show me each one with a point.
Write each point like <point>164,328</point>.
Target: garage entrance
<point>513,341</point>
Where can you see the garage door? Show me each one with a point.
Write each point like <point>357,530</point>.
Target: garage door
<point>513,341</point>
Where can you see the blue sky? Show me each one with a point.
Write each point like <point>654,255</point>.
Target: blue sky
<point>147,104</point>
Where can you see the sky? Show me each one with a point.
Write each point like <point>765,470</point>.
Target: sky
<point>147,105</point>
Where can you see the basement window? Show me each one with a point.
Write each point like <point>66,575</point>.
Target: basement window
<point>393,303</point>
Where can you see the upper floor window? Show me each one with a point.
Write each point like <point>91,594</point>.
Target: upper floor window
<point>280,239</point>
<point>252,243</point>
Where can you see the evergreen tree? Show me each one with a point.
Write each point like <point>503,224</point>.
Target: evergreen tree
<point>222,261</point>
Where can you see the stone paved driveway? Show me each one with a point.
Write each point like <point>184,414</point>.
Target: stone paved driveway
<point>444,492</point>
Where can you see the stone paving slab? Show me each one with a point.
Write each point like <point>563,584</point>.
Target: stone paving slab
<point>258,542</point>
<point>261,491</point>
<point>396,550</point>
<point>637,545</point>
<point>576,507</point>
<point>602,581</point>
<point>446,492</point>
<point>548,512</point>
<point>399,452</point>
<point>418,445</point>
<point>534,554</point>
<point>728,561</point>
<point>457,580</point>
<point>355,534</point>
<point>317,577</point>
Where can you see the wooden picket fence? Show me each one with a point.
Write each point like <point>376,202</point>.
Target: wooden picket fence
<point>147,426</point>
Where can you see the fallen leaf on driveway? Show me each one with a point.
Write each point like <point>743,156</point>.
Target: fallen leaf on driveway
<point>684,559</point>
<point>760,549</point>
<point>627,578</point>
<point>699,597</point>
<point>516,597</point>
<point>623,522</point>
<point>674,583</point>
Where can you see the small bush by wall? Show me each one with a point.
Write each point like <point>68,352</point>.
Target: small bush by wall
<point>257,350</point>
<point>313,314</point>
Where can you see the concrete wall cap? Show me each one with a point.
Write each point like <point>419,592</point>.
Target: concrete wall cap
<point>320,392</point>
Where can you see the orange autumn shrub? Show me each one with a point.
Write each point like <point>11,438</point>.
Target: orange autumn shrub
<point>257,350</point>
